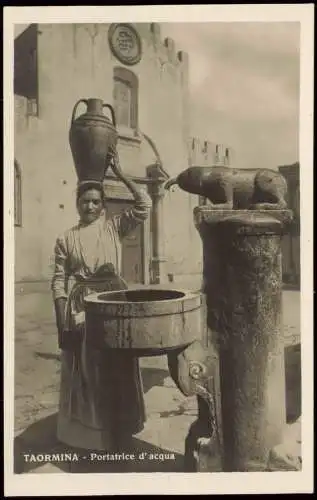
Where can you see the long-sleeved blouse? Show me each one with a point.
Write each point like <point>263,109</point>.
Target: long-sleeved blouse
<point>83,248</point>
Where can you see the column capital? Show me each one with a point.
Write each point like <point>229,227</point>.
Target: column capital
<point>157,190</point>
<point>158,177</point>
<point>243,222</point>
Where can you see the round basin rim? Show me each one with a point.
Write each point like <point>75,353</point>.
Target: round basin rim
<point>93,297</point>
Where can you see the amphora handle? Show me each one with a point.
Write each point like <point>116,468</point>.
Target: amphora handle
<point>113,116</point>
<point>75,108</point>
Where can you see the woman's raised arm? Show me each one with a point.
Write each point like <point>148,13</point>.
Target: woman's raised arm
<point>129,219</point>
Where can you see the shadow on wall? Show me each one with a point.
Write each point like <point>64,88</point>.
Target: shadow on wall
<point>291,283</point>
<point>293,382</point>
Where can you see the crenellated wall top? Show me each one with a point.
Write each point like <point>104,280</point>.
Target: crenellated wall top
<point>167,46</point>
<point>205,152</point>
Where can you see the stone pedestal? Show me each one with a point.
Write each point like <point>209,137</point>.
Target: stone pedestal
<point>243,286</point>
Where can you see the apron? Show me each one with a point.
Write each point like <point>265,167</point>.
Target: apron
<point>103,280</point>
<point>101,390</point>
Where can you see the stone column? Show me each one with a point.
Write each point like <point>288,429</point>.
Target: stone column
<point>158,259</point>
<point>243,285</point>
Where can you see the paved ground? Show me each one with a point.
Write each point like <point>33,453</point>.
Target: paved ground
<point>169,413</point>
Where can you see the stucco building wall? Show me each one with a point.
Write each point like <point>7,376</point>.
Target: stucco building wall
<point>74,61</point>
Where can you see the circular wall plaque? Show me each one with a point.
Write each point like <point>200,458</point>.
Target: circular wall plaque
<point>125,43</point>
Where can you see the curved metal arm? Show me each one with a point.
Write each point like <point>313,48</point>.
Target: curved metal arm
<point>193,373</point>
<point>153,146</point>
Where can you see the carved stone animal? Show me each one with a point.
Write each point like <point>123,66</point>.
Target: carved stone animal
<point>232,188</point>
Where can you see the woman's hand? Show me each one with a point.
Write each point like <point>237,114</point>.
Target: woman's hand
<point>115,164</point>
<point>60,319</point>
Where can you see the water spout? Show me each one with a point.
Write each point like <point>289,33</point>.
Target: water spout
<point>170,183</point>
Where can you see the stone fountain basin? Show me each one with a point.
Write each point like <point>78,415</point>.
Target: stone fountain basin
<point>147,321</point>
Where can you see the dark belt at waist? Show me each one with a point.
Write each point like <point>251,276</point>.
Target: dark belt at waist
<point>112,280</point>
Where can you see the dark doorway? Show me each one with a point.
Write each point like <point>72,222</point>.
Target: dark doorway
<point>132,245</point>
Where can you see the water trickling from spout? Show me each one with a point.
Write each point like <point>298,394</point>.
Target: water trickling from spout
<point>170,183</point>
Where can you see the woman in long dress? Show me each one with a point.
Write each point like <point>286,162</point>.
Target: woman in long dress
<point>101,394</point>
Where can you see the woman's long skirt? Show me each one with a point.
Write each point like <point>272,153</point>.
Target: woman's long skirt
<point>101,400</point>
<point>101,397</point>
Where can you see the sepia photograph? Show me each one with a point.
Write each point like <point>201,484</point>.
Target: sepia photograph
<point>155,248</point>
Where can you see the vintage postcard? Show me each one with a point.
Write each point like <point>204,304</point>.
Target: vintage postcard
<point>158,249</point>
